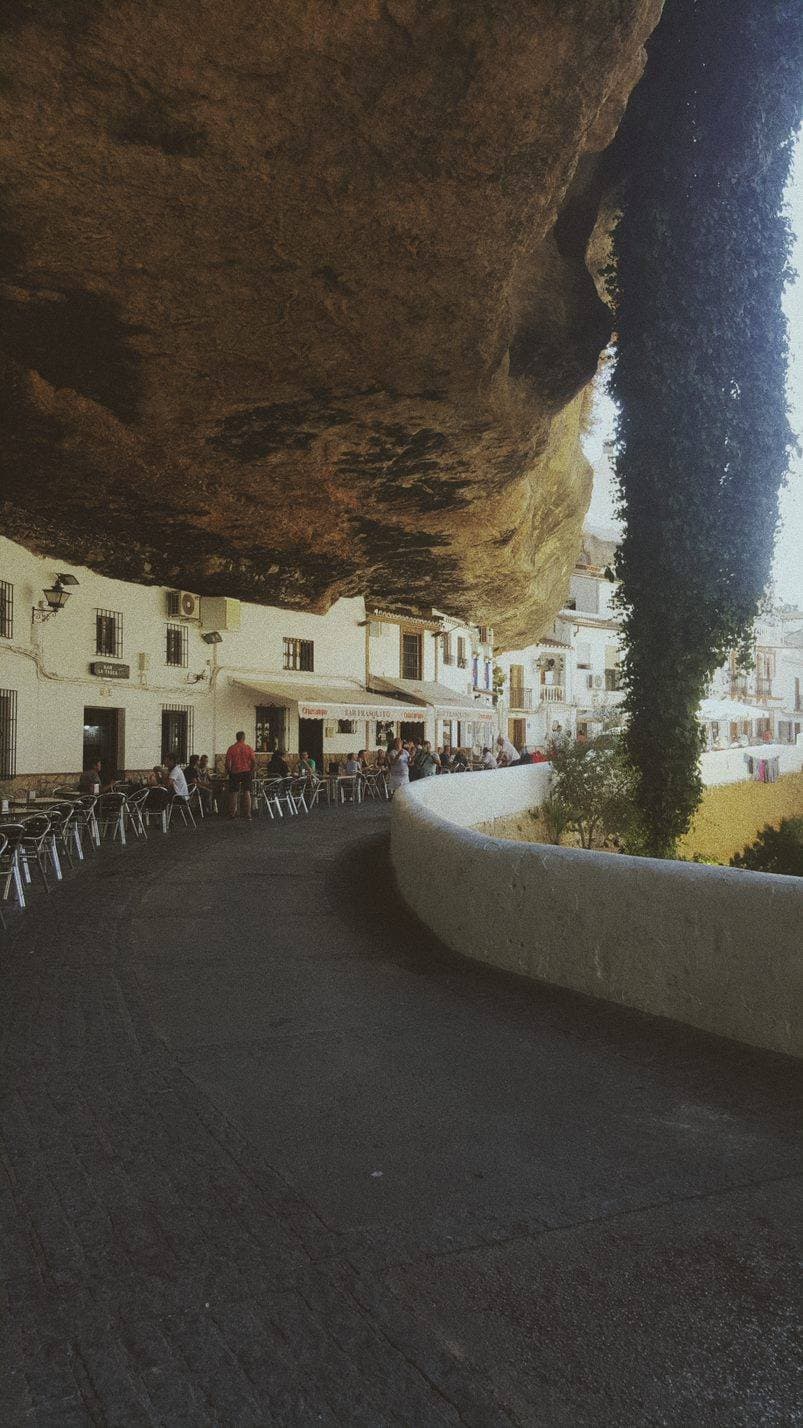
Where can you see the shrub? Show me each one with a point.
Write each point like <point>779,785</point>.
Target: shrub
<point>776,850</point>
<point>593,790</point>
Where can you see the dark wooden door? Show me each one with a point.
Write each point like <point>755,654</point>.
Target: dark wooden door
<point>102,741</point>
<point>310,740</point>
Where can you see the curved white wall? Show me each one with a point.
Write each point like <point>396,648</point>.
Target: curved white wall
<point>714,947</point>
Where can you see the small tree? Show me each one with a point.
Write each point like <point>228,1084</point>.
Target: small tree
<point>594,787</point>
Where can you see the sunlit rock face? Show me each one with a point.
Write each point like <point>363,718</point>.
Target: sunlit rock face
<point>296,299</point>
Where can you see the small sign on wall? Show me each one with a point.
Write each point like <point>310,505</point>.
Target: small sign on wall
<point>104,670</point>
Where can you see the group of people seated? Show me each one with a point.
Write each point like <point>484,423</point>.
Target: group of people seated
<point>169,774</point>
<point>507,756</point>
<point>417,759</point>
<point>402,763</point>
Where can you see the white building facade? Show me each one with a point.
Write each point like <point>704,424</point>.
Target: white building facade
<point>568,682</point>
<point>128,673</point>
<point>765,701</point>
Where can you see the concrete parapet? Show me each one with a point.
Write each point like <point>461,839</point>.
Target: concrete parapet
<point>716,948</point>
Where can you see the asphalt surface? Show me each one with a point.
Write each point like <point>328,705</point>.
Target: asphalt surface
<point>272,1155</point>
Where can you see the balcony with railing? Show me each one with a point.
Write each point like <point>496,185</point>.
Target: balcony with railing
<point>553,694</point>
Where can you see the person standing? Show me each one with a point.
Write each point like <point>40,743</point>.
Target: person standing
<point>399,761</point>
<point>428,763</point>
<point>240,765</point>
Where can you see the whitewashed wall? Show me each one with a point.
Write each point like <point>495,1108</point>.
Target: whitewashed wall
<point>718,766</point>
<point>48,665</point>
<point>717,948</point>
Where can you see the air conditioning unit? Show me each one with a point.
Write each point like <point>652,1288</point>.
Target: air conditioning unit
<point>220,612</point>
<point>182,605</point>
<point>598,681</point>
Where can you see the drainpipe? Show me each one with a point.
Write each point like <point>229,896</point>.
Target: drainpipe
<point>435,712</point>
<point>367,670</point>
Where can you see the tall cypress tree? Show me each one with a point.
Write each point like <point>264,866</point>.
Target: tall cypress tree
<point>701,259</point>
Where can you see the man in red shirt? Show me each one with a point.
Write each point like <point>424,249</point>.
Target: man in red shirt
<point>240,764</point>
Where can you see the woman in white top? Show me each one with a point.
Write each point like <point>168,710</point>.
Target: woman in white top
<point>399,761</point>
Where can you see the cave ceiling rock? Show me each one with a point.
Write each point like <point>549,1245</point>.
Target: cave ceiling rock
<point>296,301</point>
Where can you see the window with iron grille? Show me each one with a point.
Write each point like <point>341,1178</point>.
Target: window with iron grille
<point>447,649</point>
<point>270,728</point>
<point>109,633</point>
<point>299,654</point>
<point>461,652</point>
<point>8,733</point>
<point>176,645</point>
<point>411,656</point>
<point>178,731</point>
<point>6,610</point>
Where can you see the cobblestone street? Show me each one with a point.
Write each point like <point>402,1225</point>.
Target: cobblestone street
<point>270,1155</point>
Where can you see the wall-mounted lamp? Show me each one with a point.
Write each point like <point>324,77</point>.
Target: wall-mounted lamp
<point>212,637</point>
<point>55,598</point>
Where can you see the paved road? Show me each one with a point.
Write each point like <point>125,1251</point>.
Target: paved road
<point>271,1155</point>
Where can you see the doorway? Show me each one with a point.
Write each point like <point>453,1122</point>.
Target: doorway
<point>310,740</point>
<point>517,732</point>
<point>412,731</point>
<point>103,739</point>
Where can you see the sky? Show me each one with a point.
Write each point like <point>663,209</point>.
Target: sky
<point>788,564</point>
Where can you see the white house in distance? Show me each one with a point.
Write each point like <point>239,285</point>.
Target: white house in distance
<point>127,673</point>
<point>765,702</point>
<point>568,682</point>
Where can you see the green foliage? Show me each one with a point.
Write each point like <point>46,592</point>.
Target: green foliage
<point>776,850</point>
<point>554,818</point>
<point>703,439</point>
<point>592,790</point>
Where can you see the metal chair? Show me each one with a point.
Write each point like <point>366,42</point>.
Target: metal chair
<point>85,816</point>
<point>10,870</point>
<point>320,788</point>
<point>113,814</point>
<point>179,805</point>
<point>349,784</point>
<point>272,795</point>
<point>298,793</point>
<point>196,803</point>
<point>10,876</point>
<point>65,831</point>
<point>134,809</point>
<point>38,843</point>
<point>155,806</point>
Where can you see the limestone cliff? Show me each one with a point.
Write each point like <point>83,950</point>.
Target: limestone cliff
<point>296,301</point>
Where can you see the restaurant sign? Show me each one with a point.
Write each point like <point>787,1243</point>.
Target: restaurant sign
<point>104,670</point>
<point>358,711</point>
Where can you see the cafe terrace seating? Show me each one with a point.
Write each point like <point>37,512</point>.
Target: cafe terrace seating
<point>41,835</point>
